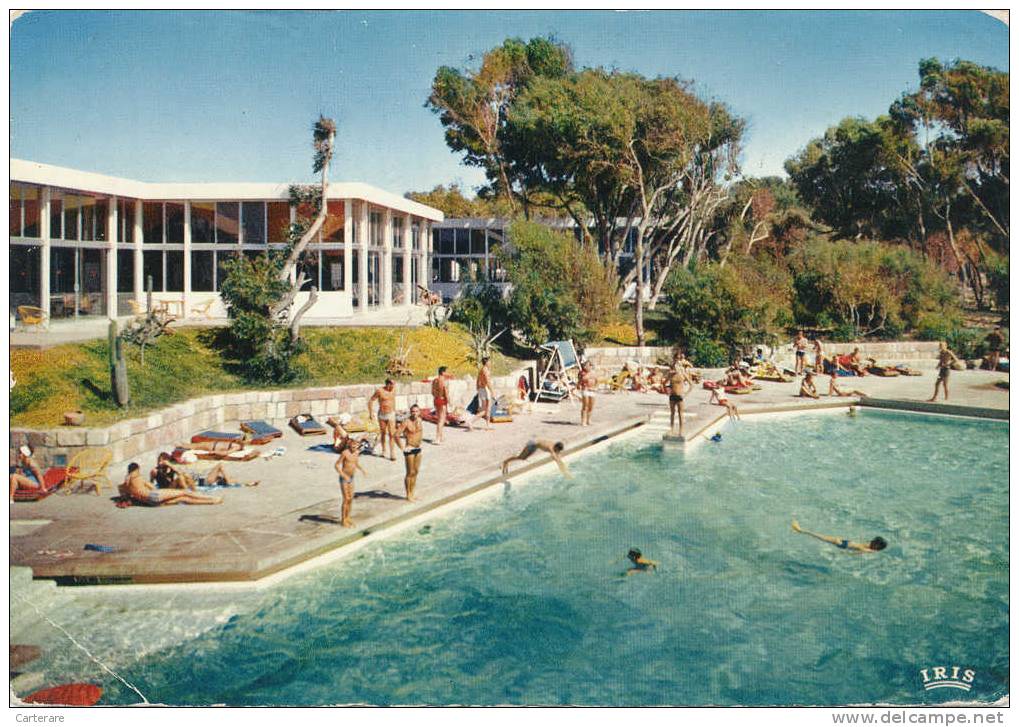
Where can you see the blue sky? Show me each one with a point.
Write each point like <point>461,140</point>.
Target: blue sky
<point>230,96</point>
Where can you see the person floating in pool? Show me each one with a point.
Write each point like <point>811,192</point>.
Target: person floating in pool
<point>873,546</point>
<point>640,563</point>
<point>532,446</point>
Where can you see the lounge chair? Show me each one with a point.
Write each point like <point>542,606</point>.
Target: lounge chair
<point>357,426</point>
<point>214,436</point>
<point>202,310</point>
<point>562,358</point>
<point>242,455</point>
<point>88,470</point>
<point>618,380</point>
<point>260,432</point>
<point>305,424</point>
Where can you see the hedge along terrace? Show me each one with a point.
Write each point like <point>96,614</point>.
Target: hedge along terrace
<point>189,363</point>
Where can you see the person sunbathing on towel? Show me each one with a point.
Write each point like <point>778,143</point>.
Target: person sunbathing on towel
<point>217,447</point>
<point>168,475</point>
<point>144,493</point>
<point>834,390</point>
<point>25,474</point>
<point>532,446</point>
<point>807,388</point>
<point>855,363</point>
<point>875,545</point>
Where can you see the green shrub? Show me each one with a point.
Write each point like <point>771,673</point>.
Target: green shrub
<point>560,289</point>
<point>997,280</point>
<point>740,305</point>
<point>967,343</point>
<point>703,351</point>
<point>937,326</point>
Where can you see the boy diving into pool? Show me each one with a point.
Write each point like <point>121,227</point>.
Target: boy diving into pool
<point>873,546</point>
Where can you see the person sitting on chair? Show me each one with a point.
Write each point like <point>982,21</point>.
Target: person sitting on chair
<point>25,474</point>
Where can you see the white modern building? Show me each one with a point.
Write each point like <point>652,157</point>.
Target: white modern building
<point>83,245</point>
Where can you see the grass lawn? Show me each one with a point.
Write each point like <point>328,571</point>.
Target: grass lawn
<point>188,364</point>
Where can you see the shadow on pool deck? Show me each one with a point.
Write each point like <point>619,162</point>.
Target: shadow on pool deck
<point>292,516</point>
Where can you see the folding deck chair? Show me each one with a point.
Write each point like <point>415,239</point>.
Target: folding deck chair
<point>562,358</point>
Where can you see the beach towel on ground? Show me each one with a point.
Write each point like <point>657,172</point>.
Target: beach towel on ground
<point>52,479</point>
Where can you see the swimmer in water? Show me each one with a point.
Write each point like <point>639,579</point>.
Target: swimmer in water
<point>875,545</point>
<point>640,563</point>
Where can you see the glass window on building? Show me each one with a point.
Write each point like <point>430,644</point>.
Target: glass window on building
<point>449,270</point>
<point>332,270</point>
<point>125,271</point>
<point>175,271</point>
<point>463,242</point>
<point>202,268</point>
<point>152,269</point>
<point>94,218</point>
<point>71,203</point>
<point>477,242</point>
<point>25,275</point>
<point>415,236</point>
<point>175,223</point>
<point>398,232</point>
<point>56,215</point>
<point>254,222</point>
<point>375,229</point>
<point>15,218</point>
<point>125,220</point>
<point>152,222</point>
<point>309,264</point>
<point>398,269</point>
<point>445,242</point>
<point>279,220</point>
<point>332,228</point>
<point>227,222</point>
<point>221,258</point>
<point>203,222</point>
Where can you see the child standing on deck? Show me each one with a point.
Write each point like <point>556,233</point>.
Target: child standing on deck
<point>346,464</point>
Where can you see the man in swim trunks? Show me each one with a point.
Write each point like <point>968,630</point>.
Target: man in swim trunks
<point>532,446</point>
<point>818,357</point>
<point>808,389</point>
<point>640,563</point>
<point>993,342</point>
<point>945,360</point>
<point>410,430</point>
<point>678,385</point>
<point>485,396</point>
<point>25,475</point>
<point>440,400</point>
<point>345,466</point>
<point>875,545</point>
<point>386,396</point>
<point>587,383</point>
<point>144,493</point>
<point>800,344</point>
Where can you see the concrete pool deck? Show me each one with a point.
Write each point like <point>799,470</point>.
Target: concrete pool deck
<point>288,519</point>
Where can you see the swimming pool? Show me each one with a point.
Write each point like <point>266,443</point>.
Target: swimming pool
<point>521,599</point>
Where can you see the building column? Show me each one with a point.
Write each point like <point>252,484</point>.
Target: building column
<point>139,267</point>
<point>112,235</point>
<point>44,253</point>
<point>362,257</point>
<point>348,249</point>
<point>387,259</point>
<point>424,255</point>
<point>408,240</point>
<point>186,295</point>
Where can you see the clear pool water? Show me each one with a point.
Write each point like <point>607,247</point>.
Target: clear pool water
<point>521,599</point>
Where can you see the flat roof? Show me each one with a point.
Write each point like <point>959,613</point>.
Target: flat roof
<point>64,177</point>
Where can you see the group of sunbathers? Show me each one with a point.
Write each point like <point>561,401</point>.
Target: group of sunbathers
<point>171,483</point>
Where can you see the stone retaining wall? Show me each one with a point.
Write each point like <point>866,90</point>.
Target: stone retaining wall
<point>890,352</point>
<point>175,425</point>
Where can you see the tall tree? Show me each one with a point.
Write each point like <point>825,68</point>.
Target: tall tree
<point>473,104</point>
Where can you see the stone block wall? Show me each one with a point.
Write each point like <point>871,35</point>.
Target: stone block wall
<point>145,436</point>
